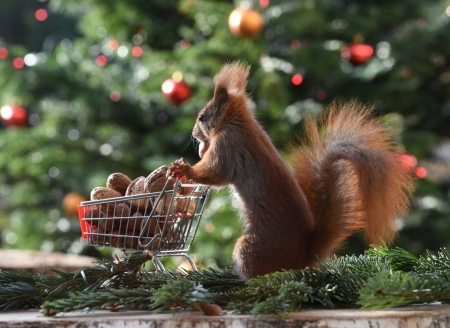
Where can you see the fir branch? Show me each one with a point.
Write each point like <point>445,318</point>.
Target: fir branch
<point>11,276</point>
<point>216,280</point>
<point>17,296</point>
<point>22,290</point>
<point>438,264</point>
<point>174,294</point>
<point>339,280</point>
<point>107,274</point>
<point>390,290</point>
<point>288,297</point>
<point>381,278</point>
<point>113,299</point>
<point>398,258</point>
<point>179,293</point>
<point>18,290</point>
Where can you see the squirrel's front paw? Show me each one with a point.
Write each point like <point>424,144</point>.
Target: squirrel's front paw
<point>178,169</point>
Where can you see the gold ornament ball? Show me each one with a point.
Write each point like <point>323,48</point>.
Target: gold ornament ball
<point>245,22</point>
<point>70,203</point>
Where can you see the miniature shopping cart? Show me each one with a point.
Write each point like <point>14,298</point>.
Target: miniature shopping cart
<point>163,222</point>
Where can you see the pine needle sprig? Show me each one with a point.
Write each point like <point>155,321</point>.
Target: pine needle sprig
<point>391,290</point>
<point>398,258</point>
<point>216,280</point>
<point>20,295</point>
<point>179,294</point>
<point>172,295</point>
<point>112,299</point>
<point>381,278</point>
<point>348,274</point>
<point>107,274</point>
<point>254,291</point>
<point>288,297</point>
<point>439,263</point>
<point>18,290</point>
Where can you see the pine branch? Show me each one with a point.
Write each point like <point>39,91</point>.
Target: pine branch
<point>112,299</point>
<point>18,290</point>
<point>22,290</point>
<point>381,278</point>
<point>399,259</point>
<point>390,290</point>
<point>172,295</point>
<point>439,263</point>
<point>179,293</point>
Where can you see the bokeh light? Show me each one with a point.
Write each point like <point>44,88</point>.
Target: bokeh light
<point>41,14</point>
<point>421,172</point>
<point>4,53</point>
<point>114,96</point>
<point>136,51</point>
<point>322,95</point>
<point>264,3</point>
<point>168,86</point>
<point>18,63</point>
<point>113,44</point>
<point>297,79</point>
<point>101,60</point>
<point>296,44</point>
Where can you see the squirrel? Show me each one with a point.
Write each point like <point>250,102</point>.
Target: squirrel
<point>347,176</point>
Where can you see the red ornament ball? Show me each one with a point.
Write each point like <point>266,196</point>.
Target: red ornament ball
<point>13,115</point>
<point>245,23</point>
<point>357,53</point>
<point>175,92</point>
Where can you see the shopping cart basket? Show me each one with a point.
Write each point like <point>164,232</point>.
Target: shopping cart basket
<point>163,222</point>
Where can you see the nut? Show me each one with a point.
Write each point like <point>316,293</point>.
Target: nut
<point>94,236</point>
<point>119,182</point>
<point>185,205</point>
<point>163,206</point>
<point>133,224</point>
<point>186,190</point>
<point>92,215</point>
<point>107,225</point>
<point>124,242</point>
<point>150,229</point>
<point>156,180</point>
<point>179,204</point>
<point>136,187</point>
<point>122,210</point>
<point>99,193</point>
<point>212,309</point>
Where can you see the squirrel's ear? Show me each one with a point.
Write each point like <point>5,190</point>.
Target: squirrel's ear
<point>220,97</point>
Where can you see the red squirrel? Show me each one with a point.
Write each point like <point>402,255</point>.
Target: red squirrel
<point>347,176</point>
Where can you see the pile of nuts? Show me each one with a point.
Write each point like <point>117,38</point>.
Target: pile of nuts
<point>120,223</point>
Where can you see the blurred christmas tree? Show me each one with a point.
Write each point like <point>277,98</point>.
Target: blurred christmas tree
<point>94,87</point>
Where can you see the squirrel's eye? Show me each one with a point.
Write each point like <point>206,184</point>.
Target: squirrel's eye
<point>201,117</point>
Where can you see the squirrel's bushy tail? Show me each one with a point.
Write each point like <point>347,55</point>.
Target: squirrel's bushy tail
<point>352,176</point>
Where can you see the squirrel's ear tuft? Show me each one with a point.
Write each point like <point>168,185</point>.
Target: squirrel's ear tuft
<point>233,77</point>
<point>220,97</point>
